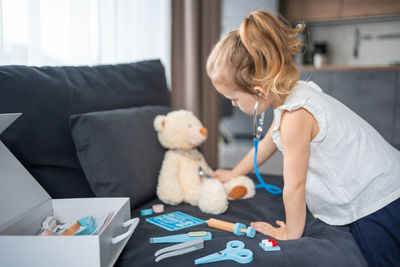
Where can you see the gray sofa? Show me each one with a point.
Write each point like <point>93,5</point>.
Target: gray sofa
<point>42,140</point>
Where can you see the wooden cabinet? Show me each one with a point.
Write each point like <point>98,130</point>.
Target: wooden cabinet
<point>320,10</point>
<point>310,10</point>
<point>361,8</point>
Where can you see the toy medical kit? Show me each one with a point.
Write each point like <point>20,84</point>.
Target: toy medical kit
<point>101,223</point>
<point>45,232</point>
<point>179,249</point>
<point>269,245</point>
<point>269,242</point>
<point>267,248</point>
<point>49,223</point>
<point>49,226</point>
<point>146,212</point>
<point>181,238</point>
<point>158,208</point>
<point>88,226</point>
<point>202,174</point>
<point>236,228</point>
<point>72,229</point>
<point>257,131</point>
<point>174,221</point>
<point>84,226</point>
<point>235,250</point>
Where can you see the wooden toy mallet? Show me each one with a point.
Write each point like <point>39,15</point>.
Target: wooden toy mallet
<point>236,228</point>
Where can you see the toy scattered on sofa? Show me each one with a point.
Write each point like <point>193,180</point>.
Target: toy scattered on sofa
<point>179,249</point>
<point>235,250</point>
<point>181,237</point>
<point>174,221</point>
<point>181,132</point>
<point>156,208</point>
<point>269,245</point>
<point>236,228</point>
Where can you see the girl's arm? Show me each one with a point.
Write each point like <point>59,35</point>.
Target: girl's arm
<point>296,136</point>
<point>296,132</point>
<point>266,148</point>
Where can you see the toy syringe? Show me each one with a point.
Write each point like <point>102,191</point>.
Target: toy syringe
<point>236,228</point>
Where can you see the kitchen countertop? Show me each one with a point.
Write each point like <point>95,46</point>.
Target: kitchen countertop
<point>348,68</point>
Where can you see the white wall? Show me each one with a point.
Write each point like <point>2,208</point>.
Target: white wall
<point>234,11</point>
<point>375,51</point>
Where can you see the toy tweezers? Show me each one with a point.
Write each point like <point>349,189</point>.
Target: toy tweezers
<point>179,249</point>
<point>181,237</point>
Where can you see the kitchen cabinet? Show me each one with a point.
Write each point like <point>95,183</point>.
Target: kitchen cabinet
<point>361,8</point>
<point>323,79</point>
<point>371,94</point>
<point>322,10</point>
<point>310,10</point>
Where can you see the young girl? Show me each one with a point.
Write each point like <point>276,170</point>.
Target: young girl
<point>333,160</point>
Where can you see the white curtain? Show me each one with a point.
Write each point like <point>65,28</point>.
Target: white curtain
<point>84,32</point>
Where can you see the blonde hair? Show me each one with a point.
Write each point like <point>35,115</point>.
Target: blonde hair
<point>258,53</point>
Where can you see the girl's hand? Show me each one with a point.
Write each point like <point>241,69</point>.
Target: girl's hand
<point>223,175</point>
<point>267,229</point>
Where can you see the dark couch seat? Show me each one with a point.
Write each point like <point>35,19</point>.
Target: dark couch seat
<point>321,244</point>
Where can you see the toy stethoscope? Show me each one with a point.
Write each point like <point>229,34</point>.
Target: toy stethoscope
<point>257,131</point>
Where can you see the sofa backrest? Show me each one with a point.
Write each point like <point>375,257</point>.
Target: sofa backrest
<point>47,96</point>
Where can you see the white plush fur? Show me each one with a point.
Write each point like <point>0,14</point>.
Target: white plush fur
<point>181,132</point>
<point>212,197</point>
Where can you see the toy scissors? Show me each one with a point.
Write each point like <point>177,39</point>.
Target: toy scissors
<point>234,251</point>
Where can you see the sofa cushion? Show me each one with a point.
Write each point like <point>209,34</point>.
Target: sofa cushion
<point>119,151</point>
<point>47,96</point>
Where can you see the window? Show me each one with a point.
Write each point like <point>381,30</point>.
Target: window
<point>75,32</point>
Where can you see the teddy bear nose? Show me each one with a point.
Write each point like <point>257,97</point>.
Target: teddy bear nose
<point>203,131</point>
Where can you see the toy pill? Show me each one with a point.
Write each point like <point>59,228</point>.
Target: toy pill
<point>146,212</point>
<point>158,208</point>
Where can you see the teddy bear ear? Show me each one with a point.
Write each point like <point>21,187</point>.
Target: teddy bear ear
<point>159,122</point>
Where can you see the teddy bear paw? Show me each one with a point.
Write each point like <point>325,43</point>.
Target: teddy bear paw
<point>212,197</point>
<point>241,187</point>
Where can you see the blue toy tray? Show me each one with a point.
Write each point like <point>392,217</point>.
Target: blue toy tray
<point>174,221</point>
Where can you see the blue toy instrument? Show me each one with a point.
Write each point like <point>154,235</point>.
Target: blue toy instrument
<point>236,228</point>
<point>258,122</point>
<point>181,238</point>
<point>234,251</point>
<point>202,174</point>
<point>174,221</point>
<point>179,249</point>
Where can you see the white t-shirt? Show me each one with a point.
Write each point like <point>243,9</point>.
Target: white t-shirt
<point>352,170</point>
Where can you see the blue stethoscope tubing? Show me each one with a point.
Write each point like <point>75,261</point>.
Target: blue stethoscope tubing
<point>269,187</point>
<point>258,128</point>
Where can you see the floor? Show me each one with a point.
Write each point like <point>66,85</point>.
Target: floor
<point>236,141</point>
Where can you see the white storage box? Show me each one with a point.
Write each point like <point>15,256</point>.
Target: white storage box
<point>24,204</point>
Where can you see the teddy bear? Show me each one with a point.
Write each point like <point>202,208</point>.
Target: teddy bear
<point>180,132</point>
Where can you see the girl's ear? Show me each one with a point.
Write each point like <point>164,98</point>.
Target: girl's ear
<point>259,91</point>
<point>159,123</point>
